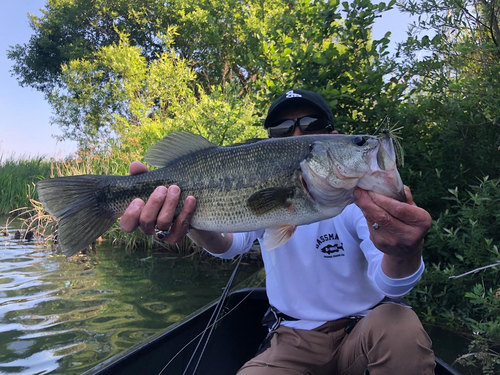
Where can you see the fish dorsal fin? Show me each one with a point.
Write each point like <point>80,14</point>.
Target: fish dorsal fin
<point>267,200</point>
<point>174,146</point>
<point>247,142</point>
<point>274,237</point>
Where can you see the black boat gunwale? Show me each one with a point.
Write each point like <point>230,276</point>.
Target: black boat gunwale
<point>240,342</point>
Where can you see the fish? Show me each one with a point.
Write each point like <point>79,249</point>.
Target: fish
<point>274,184</point>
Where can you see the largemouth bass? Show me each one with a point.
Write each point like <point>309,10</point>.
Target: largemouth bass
<point>274,184</point>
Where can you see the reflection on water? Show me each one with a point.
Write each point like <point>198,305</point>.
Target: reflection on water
<point>66,315</point>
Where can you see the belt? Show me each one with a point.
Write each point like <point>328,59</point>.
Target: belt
<point>273,318</point>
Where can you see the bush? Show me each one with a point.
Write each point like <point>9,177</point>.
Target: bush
<point>461,240</point>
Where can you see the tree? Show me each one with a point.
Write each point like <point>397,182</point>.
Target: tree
<point>118,96</point>
<point>451,63</point>
<point>313,47</point>
<point>214,36</point>
<point>103,80</point>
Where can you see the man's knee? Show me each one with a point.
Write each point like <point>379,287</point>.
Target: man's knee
<point>395,339</point>
<point>398,327</point>
<point>395,319</point>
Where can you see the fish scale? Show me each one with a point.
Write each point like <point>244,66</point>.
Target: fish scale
<point>272,184</point>
<point>241,174</point>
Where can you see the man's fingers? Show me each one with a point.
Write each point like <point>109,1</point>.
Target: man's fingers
<point>400,225</point>
<point>130,219</point>
<point>409,196</point>
<point>150,211</point>
<point>406,212</point>
<point>181,225</point>
<point>159,211</point>
<point>137,167</point>
<point>391,213</point>
<point>166,215</point>
<point>165,218</point>
<point>372,211</point>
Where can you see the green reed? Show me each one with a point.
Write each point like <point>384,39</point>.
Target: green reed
<point>17,181</point>
<point>27,172</point>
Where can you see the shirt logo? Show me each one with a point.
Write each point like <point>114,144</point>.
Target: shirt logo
<point>331,249</point>
<point>330,245</point>
<point>291,94</point>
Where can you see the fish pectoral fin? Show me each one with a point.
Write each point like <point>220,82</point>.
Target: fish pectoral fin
<point>274,237</point>
<point>174,146</point>
<point>270,199</point>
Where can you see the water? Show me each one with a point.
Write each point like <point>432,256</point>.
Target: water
<point>64,316</point>
<point>60,315</point>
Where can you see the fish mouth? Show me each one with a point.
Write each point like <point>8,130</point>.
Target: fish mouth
<point>386,154</point>
<point>383,177</point>
<point>387,160</point>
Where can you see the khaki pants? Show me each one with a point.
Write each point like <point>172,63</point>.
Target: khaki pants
<point>389,341</point>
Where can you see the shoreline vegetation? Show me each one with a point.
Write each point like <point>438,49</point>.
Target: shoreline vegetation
<point>438,298</point>
<point>19,201</point>
<point>120,77</point>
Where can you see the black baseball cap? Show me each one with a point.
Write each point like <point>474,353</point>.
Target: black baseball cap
<point>291,98</point>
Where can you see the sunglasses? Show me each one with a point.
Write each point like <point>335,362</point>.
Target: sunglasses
<point>284,128</point>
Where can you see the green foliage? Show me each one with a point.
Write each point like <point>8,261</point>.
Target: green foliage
<point>217,38</point>
<point>479,351</point>
<point>120,100</point>
<point>264,47</point>
<point>118,90</point>
<point>122,74</point>
<point>451,64</point>
<point>17,179</point>
<point>222,117</point>
<point>465,238</point>
<point>312,47</point>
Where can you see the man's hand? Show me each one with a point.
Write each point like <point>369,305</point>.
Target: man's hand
<point>401,232</point>
<point>159,210</point>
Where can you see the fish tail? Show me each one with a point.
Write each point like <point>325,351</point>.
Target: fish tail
<point>74,200</point>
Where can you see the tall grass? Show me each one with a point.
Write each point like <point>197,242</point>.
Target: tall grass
<point>17,181</point>
<point>19,199</point>
<point>90,162</point>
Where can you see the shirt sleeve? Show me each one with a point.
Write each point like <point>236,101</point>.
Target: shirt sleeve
<point>394,288</point>
<point>390,287</point>
<point>242,242</point>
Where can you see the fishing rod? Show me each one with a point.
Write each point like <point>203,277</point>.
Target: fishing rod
<point>219,319</point>
<point>212,320</point>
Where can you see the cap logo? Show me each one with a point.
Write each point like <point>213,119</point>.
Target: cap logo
<point>291,94</point>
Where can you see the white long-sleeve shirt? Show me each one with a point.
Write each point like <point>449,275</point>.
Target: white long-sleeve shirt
<point>328,270</point>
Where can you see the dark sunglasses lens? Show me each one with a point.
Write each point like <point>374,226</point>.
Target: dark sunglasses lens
<point>312,125</point>
<point>281,129</point>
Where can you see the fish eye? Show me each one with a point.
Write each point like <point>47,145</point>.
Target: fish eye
<point>359,140</point>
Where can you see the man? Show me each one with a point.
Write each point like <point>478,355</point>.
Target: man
<point>329,286</point>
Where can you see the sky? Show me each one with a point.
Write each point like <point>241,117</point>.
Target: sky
<point>25,128</point>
